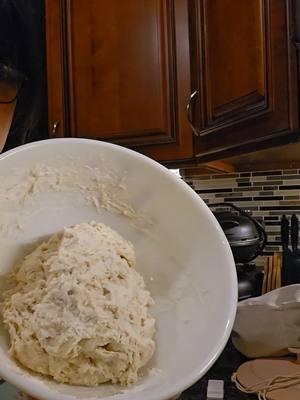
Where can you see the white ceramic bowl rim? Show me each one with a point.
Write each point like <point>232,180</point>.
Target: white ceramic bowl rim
<point>187,381</point>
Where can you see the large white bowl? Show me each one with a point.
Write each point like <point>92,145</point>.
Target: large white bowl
<point>181,251</point>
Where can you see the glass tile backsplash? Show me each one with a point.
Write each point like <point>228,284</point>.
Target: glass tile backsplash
<point>266,194</point>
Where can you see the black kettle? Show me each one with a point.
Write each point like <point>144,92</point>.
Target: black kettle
<point>246,236</point>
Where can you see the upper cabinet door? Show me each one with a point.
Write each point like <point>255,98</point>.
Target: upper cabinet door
<point>244,74</point>
<point>124,72</point>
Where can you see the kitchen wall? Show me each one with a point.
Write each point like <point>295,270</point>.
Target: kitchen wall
<point>266,194</point>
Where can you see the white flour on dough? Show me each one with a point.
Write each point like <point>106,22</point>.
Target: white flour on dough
<point>78,311</point>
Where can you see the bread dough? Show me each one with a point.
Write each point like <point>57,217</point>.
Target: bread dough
<point>76,309</point>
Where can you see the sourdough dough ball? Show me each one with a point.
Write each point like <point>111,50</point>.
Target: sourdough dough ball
<point>78,311</point>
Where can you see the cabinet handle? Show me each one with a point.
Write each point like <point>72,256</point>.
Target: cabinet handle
<point>54,128</point>
<point>189,110</point>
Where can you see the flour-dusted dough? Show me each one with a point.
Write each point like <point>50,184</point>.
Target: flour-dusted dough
<point>77,310</point>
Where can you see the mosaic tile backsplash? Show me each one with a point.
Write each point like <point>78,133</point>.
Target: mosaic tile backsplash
<point>266,194</point>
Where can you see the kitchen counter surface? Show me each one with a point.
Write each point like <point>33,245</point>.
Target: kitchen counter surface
<point>225,366</point>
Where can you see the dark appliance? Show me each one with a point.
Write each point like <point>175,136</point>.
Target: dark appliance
<point>290,273</point>
<point>247,239</point>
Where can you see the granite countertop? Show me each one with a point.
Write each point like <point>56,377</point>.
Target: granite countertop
<point>225,366</point>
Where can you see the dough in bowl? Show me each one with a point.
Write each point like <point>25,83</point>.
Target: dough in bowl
<point>78,311</point>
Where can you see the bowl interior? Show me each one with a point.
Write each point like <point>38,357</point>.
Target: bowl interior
<point>181,252</point>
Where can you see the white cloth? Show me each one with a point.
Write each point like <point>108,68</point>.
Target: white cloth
<point>269,324</point>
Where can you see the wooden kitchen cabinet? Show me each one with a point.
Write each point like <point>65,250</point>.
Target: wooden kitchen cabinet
<point>244,73</point>
<point>124,71</point>
<point>119,71</point>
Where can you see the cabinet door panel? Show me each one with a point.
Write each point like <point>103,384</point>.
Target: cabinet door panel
<point>123,70</point>
<point>119,63</point>
<point>235,66</point>
<point>245,73</point>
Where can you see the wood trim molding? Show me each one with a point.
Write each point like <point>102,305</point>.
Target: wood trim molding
<point>172,66</point>
<point>220,166</point>
<point>215,167</point>
<point>222,149</point>
<point>55,68</point>
<point>69,98</point>
<point>296,13</point>
<point>270,141</point>
<point>292,164</point>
